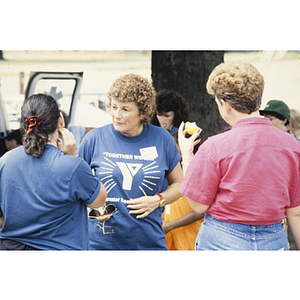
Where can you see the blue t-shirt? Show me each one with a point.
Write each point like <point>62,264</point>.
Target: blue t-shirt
<point>129,168</point>
<point>44,199</point>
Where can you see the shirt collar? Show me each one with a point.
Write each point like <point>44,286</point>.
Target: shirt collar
<point>252,121</point>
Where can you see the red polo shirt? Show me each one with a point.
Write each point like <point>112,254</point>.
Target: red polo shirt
<point>247,175</point>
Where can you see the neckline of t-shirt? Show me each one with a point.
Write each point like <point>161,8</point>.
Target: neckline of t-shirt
<point>130,139</point>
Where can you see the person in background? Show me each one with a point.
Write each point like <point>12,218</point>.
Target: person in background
<point>278,113</point>
<point>171,110</point>
<point>181,224</point>
<point>78,131</point>
<point>294,126</point>
<point>246,179</point>
<point>45,189</point>
<point>132,158</point>
<point>11,141</point>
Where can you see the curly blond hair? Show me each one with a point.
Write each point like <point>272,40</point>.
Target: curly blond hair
<point>137,89</point>
<point>238,84</point>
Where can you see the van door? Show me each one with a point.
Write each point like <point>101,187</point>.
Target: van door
<point>4,122</point>
<point>64,87</point>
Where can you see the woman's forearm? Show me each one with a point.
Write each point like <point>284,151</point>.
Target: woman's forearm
<point>172,193</point>
<point>188,219</point>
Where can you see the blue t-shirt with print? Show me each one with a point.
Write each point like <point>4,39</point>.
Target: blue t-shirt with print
<point>44,199</point>
<point>129,168</point>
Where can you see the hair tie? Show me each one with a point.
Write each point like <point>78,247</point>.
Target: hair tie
<point>32,122</point>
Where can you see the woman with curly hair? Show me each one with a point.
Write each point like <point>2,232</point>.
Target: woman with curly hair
<point>132,158</point>
<point>246,179</point>
<point>171,110</point>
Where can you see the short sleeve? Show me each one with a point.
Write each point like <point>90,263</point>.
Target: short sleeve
<point>84,185</point>
<point>202,177</point>
<point>295,200</point>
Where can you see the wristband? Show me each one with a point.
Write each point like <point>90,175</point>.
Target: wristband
<point>162,200</point>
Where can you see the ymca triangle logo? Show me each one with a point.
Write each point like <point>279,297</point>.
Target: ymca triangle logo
<point>129,171</point>
<point>133,168</point>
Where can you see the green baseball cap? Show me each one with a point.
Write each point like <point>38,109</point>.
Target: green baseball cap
<point>278,107</point>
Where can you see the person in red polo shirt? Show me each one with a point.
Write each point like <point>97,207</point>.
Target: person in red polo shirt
<point>247,179</point>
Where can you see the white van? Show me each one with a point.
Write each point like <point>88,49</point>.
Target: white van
<point>4,122</point>
<point>64,87</point>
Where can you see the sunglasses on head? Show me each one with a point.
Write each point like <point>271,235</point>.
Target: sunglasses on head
<point>107,210</point>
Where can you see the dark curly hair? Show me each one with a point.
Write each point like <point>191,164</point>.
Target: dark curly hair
<point>168,100</point>
<point>46,108</point>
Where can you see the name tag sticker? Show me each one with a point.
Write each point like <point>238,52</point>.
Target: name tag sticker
<point>149,153</point>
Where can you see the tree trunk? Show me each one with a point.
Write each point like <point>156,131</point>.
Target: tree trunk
<point>186,72</point>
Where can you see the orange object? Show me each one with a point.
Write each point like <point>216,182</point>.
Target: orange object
<point>191,127</point>
<point>182,238</point>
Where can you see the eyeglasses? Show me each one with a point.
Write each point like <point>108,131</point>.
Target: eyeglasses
<point>97,212</point>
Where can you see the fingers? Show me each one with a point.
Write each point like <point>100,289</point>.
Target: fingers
<point>69,145</point>
<point>141,213</point>
<point>181,126</point>
<point>67,135</point>
<point>196,133</point>
<point>197,142</point>
<point>136,209</point>
<point>181,131</point>
<point>104,217</point>
<point>59,144</point>
<point>142,207</point>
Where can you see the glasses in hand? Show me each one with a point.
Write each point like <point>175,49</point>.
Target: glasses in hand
<point>97,212</point>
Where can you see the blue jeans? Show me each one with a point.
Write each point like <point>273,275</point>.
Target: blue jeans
<point>219,235</point>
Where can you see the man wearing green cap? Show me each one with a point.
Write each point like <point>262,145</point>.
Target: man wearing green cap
<point>278,113</point>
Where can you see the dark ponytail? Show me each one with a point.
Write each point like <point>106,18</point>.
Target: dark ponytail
<point>36,134</point>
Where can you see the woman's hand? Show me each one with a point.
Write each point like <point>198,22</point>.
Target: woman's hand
<point>167,226</point>
<point>187,144</point>
<point>143,206</point>
<point>103,217</point>
<point>69,145</point>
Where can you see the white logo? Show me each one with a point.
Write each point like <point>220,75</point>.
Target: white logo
<point>128,170</point>
<point>147,183</point>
